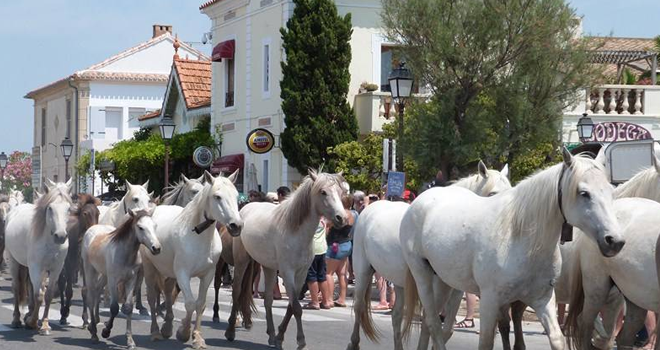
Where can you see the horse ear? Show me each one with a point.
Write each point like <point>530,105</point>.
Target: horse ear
<point>566,156</point>
<point>146,185</point>
<point>208,178</point>
<point>312,173</point>
<point>600,157</point>
<point>201,179</point>
<point>69,184</point>
<point>505,171</point>
<point>37,194</point>
<point>184,178</point>
<point>151,194</point>
<point>233,177</point>
<point>49,185</point>
<point>656,157</point>
<point>483,170</point>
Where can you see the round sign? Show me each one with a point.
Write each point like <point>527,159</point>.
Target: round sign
<point>203,157</point>
<point>260,140</point>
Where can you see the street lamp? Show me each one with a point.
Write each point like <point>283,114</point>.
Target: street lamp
<point>585,128</point>
<point>401,82</point>
<point>167,127</point>
<point>3,165</point>
<point>67,149</point>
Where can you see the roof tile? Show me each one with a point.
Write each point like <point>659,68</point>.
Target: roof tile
<point>195,79</point>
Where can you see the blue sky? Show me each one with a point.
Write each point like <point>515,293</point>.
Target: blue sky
<point>45,40</point>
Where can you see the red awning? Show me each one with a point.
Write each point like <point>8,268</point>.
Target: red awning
<point>224,50</point>
<point>227,164</point>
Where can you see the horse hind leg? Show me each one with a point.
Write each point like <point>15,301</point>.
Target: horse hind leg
<point>170,293</point>
<point>138,293</point>
<point>504,326</point>
<point>217,283</point>
<point>517,311</point>
<point>19,288</point>
<point>632,323</point>
<point>204,283</point>
<point>114,308</point>
<point>362,308</point>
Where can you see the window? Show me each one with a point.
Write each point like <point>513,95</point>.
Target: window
<point>266,77</point>
<point>68,118</point>
<point>389,60</point>
<point>229,82</point>
<point>43,127</point>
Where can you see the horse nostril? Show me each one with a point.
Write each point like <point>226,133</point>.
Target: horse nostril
<point>609,240</point>
<point>339,219</point>
<point>155,249</point>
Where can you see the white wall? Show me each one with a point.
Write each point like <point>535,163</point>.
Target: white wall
<point>155,59</point>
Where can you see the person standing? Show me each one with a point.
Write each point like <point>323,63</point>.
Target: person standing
<point>339,248</point>
<point>316,275</point>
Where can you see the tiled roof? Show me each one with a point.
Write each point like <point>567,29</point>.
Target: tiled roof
<point>195,79</point>
<point>208,3</point>
<point>622,44</point>
<point>92,73</point>
<point>149,115</point>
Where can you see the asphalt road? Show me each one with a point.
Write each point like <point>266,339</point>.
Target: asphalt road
<point>324,329</point>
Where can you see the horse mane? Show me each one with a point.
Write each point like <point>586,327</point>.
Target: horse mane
<point>193,210</point>
<point>39,222</point>
<point>292,213</point>
<point>123,232</point>
<point>479,185</point>
<point>643,185</point>
<point>537,196</point>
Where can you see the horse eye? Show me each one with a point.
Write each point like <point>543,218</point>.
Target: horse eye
<point>323,192</point>
<point>217,197</point>
<point>492,194</point>
<point>141,228</point>
<point>135,200</point>
<point>585,194</point>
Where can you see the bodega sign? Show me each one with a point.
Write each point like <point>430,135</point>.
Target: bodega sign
<point>260,140</point>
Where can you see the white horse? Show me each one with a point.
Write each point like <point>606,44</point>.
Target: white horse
<point>592,278</point>
<point>137,198</point>
<point>503,248</point>
<point>36,239</point>
<point>16,198</point>
<point>110,255</point>
<point>191,248</point>
<point>5,207</point>
<point>376,248</point>
<point>279,237</point>
<point>182,192</point>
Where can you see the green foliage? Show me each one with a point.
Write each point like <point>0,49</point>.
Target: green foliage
<point>629,78</point>
<point>361,162</point>
<point>534,159</point>
<point>142,134</point>
<point>315,84</point>
<point>137,161</point>
<point>500,75</point>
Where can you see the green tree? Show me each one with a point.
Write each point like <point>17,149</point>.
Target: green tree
<point>500,73</point>
<point>361,162</point>
<point>315,84</point>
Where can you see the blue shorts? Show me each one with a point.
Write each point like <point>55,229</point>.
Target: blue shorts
<point>343,251</point>
<point>316,272</point>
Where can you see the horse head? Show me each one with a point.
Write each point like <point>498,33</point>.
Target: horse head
<point>191,189</point>
<point>137,197</point>
<point>52,211</point>
<point>221,201</point>
<point>4,210</point>
<point>327,193</point>
<point>87,211</point>
<point>587,202</point>
<point>491,182</point>
<point>145,229</point>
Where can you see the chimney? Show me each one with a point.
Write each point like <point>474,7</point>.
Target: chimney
<point>160,29</point>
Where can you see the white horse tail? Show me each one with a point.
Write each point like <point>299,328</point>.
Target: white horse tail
<point>364,315</point>
<point>572,324</point>
<point>412,305</point>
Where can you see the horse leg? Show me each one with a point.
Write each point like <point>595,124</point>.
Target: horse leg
<point>489,309</point>
<point>37,298</point>
<point>546,311</point>
<point>217,283</point>
<point>451,310</point>
<point>85,300</point>
<point>127,310</point>
<point>269,283</point>
<point>423,277</point>
<point>93,295</point>
<point>204,283</point>
<point>151,281</point>
<point>183,280</point>
<point>50,290</point>
<point>112,287</point>
<point>61,286</point>
<point>632,323</point>
<point>295,286</point>
<point>242,276</point>
<point>613,306</point>
<point>397,318</point>
<point>18,276</point>
<point>504,326</point>
<point>517,311</point>
<point>362,304</point>
<point>170,296</point>
<point>138,293</point>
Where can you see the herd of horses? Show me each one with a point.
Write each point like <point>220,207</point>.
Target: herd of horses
<point>510,245</point>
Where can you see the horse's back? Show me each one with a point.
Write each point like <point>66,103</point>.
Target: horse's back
<point>17,230</point>
<point>376,240</point>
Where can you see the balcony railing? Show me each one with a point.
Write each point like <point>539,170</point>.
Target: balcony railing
<point>623,100</point>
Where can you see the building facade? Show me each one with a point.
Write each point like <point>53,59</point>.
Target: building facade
<point>100,105</point>
<point>246,75</point>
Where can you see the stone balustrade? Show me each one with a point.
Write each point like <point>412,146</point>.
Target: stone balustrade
<point>623,100</point>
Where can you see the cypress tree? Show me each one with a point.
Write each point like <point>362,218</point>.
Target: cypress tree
<point>315,84</point>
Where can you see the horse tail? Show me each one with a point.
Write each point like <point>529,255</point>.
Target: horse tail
<point>364,314</point>
<point>23,280</point>
<point>245,300</point>
<point>572,324</point>
<point>411,304</point>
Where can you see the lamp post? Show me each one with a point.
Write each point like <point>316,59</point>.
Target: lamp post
<point>3,165</point>
<point>585,128</point>
<point>401,82</point>
<point>167,127</point>
<point>67,149</point>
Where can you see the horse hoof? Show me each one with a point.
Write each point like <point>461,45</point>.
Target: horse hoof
<point>144,312</point>
<point>63,322</point>
<point>130,346</point>
<point>352,346</point>
<point>85,325</point>
<point>95,339</point>
<point>198,341</point>
<point>230,336</point>
<point>30,325</point>
<point>247,325</point>
<point>216,319</point>
<point>105,333</point>
<point>44,331</point>
<point>166,330</point>
<point>156,336</point>
<point>183,335</point>
<point>16,324</point>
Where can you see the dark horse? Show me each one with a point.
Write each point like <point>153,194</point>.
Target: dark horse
<point>84,216</point>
